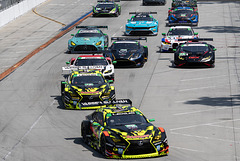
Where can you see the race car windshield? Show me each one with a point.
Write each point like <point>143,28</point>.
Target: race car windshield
<point>91,62</point>
<point>105,6</point>
<point>180,32</point>
<point>88,34</point>
<point>183,12</point>
<point>194,49</point>
<point>88,81</point>
<point>125,46</point>
<point>142,18</point>
<point>118,120</point>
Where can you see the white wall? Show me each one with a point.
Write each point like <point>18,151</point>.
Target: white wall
<point>17,10</point>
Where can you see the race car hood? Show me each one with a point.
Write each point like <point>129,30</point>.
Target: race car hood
<point>88,90</point>
<point>141,24</point>
<point>123,53</point>
<point>134,131</point>
<point>86,40</point>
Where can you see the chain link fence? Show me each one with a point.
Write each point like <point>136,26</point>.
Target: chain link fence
<point>4,4</point>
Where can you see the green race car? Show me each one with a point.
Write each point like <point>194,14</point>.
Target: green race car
<point>122,132</point>
<point>86,86</point>
<point>106,8</point>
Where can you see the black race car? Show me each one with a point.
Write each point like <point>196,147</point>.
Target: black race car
<point>128,52</point>
<point>106,8</point>
<point>184,3</point>
<point>195,52</point>
<point>151,2</point>
<point>122,132</point>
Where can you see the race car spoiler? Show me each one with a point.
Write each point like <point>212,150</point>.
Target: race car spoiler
<point>106,27</point>
<point>91,52</point>
<point>181,24</point>
<point>108,1</point>
<point>197,39</point>
<point>128,38</point>
<point>143,12</point>
<point>107,103</point>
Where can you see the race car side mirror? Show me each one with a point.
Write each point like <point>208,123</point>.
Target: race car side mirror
<point>64,82</point>
<point>214,49</point>
<point>110,81</point>
<point>195,33</point>
<point>96,124</point>
<point>164,34</point>
<point>128,20</point>
<point>105,34</point>
<point>67,62</point>
<point>114,62</point>
<point>151,120</point>
<point>174,50</point>
<point>72,34</point>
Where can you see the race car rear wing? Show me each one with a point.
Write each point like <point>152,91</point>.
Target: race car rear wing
<point>143,12</point>
<point>128,38</point>
<point>106,27</point>
<point>106,103</point>
<point>197,39</point>
<point>108,1</point>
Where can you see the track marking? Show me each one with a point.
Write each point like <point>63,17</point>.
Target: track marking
<point>29,130</point>
<point>205,137</point>
<point>206,78</point>
<point>187,149</point>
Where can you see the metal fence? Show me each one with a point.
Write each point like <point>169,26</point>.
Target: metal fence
<point>4,4</point>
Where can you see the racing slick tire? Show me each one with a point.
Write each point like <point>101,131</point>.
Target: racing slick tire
<point>62,88</point>
<point>103,146</point>
<point>85,126</point>
<point>116,14</point>
<point>145,54</point>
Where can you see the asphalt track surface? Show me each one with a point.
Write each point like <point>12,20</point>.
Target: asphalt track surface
<point>198,107</point>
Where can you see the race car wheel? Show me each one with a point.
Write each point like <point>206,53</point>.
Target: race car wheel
<point>103,146</point>
<point>62,88</point>
<point>85,130</point>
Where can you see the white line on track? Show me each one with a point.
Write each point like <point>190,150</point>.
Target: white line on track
<point>121,27</point>
<point>225,127</point>
<point>29,130</point>
<point>199,88</point>
<point>207,124</point>
<point>206,77</point>
<point>175,147</point>
<point>213,109</point>
<point>205,137</point>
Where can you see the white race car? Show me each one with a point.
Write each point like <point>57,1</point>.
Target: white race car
<point>170,40</point>
<point>98,62</point>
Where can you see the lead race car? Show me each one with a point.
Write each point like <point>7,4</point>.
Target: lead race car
<point>195,52</point>
<point>174,37</point>
<point>88,38</point>
<point>109,8</point>
<point>86,86</point>
<point>91,61</point>
<point>122,132</point>
<point>128,52</point>
<point>142,23</point>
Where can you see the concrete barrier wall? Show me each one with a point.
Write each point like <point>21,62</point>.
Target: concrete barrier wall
<point>17,10</point>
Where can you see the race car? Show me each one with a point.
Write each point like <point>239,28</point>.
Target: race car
<point>85,86</point>
<point>170,40</point>
<point>160,2</point>
<point>128,52</point>
<point>195,9</point>
<point>142,23</point>
<point>91,61</point>
<point>184,3</point>
<point>88,38</point>
<point>123,132</point>
<point>195,52</point>
<point>106,8</point>
<point>183,17</point>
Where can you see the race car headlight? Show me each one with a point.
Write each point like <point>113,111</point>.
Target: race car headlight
<point>116,140</point>
<point>193,18</point>
<point>113,10</point>
<point>172,18</point>
<point>98,43</point>
<point>181,58</point>
<point>206,59</point>
<point>166,43</point>
<point>107,71</point>
<point>135,55</point>
<point>157,138</point>
<point>129,27</point>
<point>72,43</point>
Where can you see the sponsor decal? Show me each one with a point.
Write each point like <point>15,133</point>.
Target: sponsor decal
<point>137,136</point>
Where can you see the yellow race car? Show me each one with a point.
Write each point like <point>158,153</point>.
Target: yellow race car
<point>122,132</point>
<point>86,86</point>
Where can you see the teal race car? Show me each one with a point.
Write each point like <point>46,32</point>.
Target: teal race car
<point>142,23</point>
<point>88,38</point>
<point>106,8</point>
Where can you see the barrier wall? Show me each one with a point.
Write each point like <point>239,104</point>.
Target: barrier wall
<point>17,10</point>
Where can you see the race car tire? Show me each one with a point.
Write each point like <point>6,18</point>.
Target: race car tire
<point>85,126</point>
<point>145,54</point>
<point>103,146</point>
<point>116,14</point>
<point>62,88</point>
